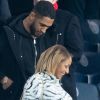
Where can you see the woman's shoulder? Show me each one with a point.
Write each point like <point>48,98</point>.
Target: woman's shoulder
<point>33,87</point>
<point>33,83</point>
<point>34,77</point>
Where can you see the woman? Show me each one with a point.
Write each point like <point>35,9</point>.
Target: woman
<point>45,83</point>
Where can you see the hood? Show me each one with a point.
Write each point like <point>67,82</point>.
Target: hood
<point>16,24</point>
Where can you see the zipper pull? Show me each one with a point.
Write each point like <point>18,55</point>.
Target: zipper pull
<point>34,41</point>
<point>58,35</point>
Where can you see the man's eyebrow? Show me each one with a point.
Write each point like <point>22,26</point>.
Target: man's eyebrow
<point>44,25</point>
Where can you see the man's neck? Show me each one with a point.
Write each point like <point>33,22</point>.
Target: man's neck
<point>26,25</point>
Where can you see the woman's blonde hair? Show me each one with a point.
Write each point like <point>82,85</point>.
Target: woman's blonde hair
<point>51,58</point>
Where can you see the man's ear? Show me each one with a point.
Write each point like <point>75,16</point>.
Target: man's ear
<point>32,16</point>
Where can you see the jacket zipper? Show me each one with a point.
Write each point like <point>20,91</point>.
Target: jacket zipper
<point>34,42</point>
<point>58,35</point>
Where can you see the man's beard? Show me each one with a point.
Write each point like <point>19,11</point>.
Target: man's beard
<point>33,32</point>
<point>32,29</point>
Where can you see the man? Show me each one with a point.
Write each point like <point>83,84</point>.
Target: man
<point>18,48</point>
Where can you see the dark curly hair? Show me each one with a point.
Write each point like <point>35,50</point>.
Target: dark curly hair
<point>45,8</point>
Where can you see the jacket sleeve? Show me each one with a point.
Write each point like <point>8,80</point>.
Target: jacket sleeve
<point>73,39</point>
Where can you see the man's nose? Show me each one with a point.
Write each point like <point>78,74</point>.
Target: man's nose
<point>44,29</point>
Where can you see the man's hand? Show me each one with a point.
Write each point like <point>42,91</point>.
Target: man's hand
<point>6,82</point>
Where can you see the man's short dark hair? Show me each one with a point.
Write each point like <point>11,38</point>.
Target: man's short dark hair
<point>45,8</point>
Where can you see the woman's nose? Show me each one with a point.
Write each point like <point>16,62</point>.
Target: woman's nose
<point>67,71</point>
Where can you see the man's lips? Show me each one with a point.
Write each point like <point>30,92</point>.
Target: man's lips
<point>39,33</point>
